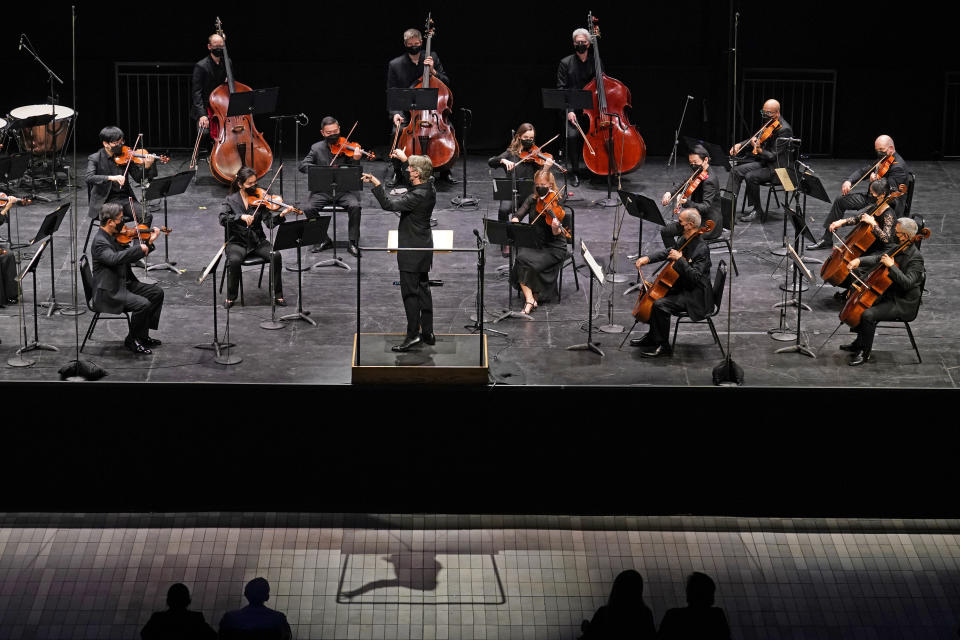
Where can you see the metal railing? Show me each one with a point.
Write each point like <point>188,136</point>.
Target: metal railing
<point>808,100</point>
<point>153,98</point>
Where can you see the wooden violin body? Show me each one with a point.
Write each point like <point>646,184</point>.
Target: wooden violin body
<point>667,277</point>
<point>553,210</point>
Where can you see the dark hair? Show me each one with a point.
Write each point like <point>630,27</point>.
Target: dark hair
<point>627,590</point>
<point>700,590</point>
<point>328,121</point>
<point>700,150</point>
<point>178,596</point>
<point>257,591</point>
<point>880,187</point>
<point>109,211</point>
<point>110,134</point>
<point>515,145</point>
<point>242,176</point>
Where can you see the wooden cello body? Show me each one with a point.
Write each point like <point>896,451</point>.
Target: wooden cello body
<point>667,277</point>
<point>857,242</point>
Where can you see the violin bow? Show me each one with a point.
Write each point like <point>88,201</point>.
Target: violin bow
<point>130,159</point>
<point>556,194</point>
<point>346,140</point>
<point>540,148</point>
<point>266,191</point>
<point>869,171</point>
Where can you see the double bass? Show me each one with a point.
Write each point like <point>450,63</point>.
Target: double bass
<point>618,145</point>
<point>667,277</point>
<point>236,141</point>
<point>430,133</point>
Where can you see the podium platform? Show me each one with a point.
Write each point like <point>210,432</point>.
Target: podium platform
<point>455,359</point>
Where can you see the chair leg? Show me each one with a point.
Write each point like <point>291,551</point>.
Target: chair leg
<point>560,282</point>
<point>576,278</point>
<point>716,338</point>
<point>260,281</point>
<point>93,323</point>
<point>242,302</point>
<point>87,240</point>
<point>733,260</point>
<point>913,342</point>
<point>673,345</point>
<point>223,276</point>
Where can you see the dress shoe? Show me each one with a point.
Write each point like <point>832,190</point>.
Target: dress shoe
<point>323,246</point>
<point>447,178</point>
<point>406,344</point>
<point>840,295</point>
<point>825,243</point>
<point>859,358</point>
<point>574,180</point>
<point>428,338</point>
<point>137,347</point>
<point>281,302</point>
<point>352,250</point>
<point>13,300</point>
<point>645,341</point>
<point>150,342</point>
<point>853,347</point>
<point>229,303</point>
<point>656,352</point>
<point>505,250</point>
<point>749,216</point>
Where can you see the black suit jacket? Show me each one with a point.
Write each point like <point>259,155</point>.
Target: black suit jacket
<point>896,175</point>
<point>907,274</point>
<point>237,230</point>
<point>706,200</point>
<point>207,76</point>
<point>415,208</point>
<point>100,166</point>
<point>770,148</point>
<point>694,279</point>
<point>111,271</point>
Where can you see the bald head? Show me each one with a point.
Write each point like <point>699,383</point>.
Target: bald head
<point>771,108</point>
<point>883,145</point>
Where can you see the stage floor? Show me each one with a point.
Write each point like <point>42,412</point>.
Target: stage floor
<point>532,352</point>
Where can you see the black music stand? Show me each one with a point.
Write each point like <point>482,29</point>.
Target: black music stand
<point>164,188</point>
<point>641,207</point>
<point>31,268</point>
<point>718,157</point>
<point>515,191</point>
<point>799,271</point>
<point>566,100</point>
<point>222,349</point>
<point>412,99</point>
<point>515,234</point>
<point>596,273</point>
<point>257,102</point>
<point>51,223</point>
<point>296,235</point>
<point>334,180</point>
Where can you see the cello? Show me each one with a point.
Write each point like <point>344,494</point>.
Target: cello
<point>873,288</point>
<point>236,141</point>
<point>835,269</point>
<point>430,133</point>
<point>667,277</point>
<point>619,147</point>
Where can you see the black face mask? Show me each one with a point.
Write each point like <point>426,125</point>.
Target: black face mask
<point>332,139</point>
<point>117,150</point>
<point>218,52</point>
<point>526,144</point>
<point>251,191</point>
<point>413,50</point>
<point>694,167</point>
<point>766,116</point>
<point>580,47</point>
<point>881,155</point>
<point>542,191</point>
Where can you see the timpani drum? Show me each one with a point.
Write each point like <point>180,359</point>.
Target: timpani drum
<point>43,138</point>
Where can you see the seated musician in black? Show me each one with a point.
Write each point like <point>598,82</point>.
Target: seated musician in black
<point>510,160</point>
<point>106,181</point>
<point>900,300</point>
<point>321,156</point>
<point>882,226</point>
<point>245,236</point>
<point>8,263</point>
<point>705,199</point>
<point>116,289</point>
<point>404,72</point>
<point>692,293</point>
<point>849,200</point>
<point>535,270</point>
<point>758,168</point>
<point>415,207</point>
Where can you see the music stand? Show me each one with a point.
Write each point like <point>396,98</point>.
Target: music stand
<point>641,207</point>
<point>566,100</point>
<point>515,234</point>
<point>334,180</point>
<point>31,268</point>
<point>51,223</point>
<point>596,273</point>
<point>164,188</point>
<point>514,191</point>
<point>292,235</point>
<point>798,268</point>
<point>718,157</point>
<point>256,102</point>
<point>217,346</point>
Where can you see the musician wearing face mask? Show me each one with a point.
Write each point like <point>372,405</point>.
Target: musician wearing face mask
<point>850,200</point>
<point>705,199</point>
<point>535,270</point>
<point>403,72</point>
<point>108,181</point>
<point>320,155</point>
<point>208,74</point>
<point>758,167</point>
<point>574,72</point>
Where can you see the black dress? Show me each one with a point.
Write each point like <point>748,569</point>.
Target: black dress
<point>539,268</point>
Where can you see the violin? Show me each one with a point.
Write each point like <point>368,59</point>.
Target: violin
<point>536,155</point>
<point>269,202</point>
<point>873,288</point>
<point>615,145</point>
<point>430,133</point>
<point>549,207</point>
<point>761,136</point>
<point>660,287</point>
<point>138,156</point>
<point>835,269</point>
<point>4,199</point>
<point>881,167</point>
<point>236,141</point>
<point>687,188</point>
<point>126,234</point>
<point>349,149</point>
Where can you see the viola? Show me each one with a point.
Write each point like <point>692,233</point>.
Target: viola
<point>873,288</point>
<point>660,287</point>
<point>550,208</point>
<point>350,149</point>
<point>687,188</point>
<point>126,234</point>
<point>835,269</point>
<point>764,134</point>
<point>236,141</point>
<point>269,202</point>
<point>4,199</point>
<point>885,165</point>
<point>430,133</point>
<point>539,157</point>
<point>615,145</point>
<point>138,156</point>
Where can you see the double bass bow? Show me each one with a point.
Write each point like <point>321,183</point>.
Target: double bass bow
<point>236,141</point>
<point>430,133</point>
<point>616,146</point>
<point>666,278</point>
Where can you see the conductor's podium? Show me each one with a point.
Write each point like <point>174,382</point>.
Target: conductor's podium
<point>454,359</point>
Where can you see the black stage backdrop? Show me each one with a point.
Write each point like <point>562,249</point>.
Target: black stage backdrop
<point>330,58</point>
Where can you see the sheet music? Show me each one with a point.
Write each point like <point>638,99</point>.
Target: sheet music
<point>588,257</point>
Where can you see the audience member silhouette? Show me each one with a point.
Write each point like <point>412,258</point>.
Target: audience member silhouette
<point>699,619</point>
<point>177,623</point>
<point>625,615</point>
<point>255,621</point>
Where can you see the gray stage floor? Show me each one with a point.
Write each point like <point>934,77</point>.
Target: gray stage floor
<point>532,352</point>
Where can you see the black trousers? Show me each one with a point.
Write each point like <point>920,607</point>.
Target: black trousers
<point>417,301</point>
<point>850,202</point>
<point>144,302</point>
<point>237,253</point>
<point>574,147</point>
<point>867,329</point>
<point>754,173</point>
<point>660,316</point>
<point>348,200</point>
<point>8,277</point>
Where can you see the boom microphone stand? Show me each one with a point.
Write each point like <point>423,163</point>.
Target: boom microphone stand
<point>464,200</point>
<point>676,135</point>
